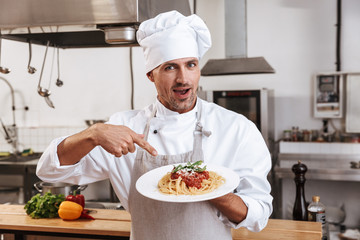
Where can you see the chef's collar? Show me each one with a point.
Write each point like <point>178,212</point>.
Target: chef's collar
<point>163,111</point>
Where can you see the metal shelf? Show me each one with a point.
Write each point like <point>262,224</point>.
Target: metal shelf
<point>322,174</point>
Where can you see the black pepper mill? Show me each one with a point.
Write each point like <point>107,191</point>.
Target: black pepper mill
<point>299,211</point>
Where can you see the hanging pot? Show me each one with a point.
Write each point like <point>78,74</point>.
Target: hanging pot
<point>59,188</point>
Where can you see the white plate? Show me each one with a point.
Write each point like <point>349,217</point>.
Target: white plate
<point>147,185</point>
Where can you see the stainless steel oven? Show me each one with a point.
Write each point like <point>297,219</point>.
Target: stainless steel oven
<point>257,105</point>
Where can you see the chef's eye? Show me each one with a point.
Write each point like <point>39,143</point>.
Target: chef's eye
<point>192,64</point>
<point>170,67</point>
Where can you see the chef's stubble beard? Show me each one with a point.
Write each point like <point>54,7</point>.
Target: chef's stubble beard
<point>181,107</point>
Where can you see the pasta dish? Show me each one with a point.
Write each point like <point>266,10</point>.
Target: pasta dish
<point>190,179</point>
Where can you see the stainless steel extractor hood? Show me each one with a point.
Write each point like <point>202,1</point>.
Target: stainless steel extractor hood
<point>236,61</point>
<point>80,23</point>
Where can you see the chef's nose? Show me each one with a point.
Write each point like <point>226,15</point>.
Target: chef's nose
<point>182,75</point>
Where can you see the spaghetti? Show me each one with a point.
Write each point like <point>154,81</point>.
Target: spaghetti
<point>190,179</point>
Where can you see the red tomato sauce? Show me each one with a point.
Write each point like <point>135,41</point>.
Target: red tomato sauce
<point>191,179</point>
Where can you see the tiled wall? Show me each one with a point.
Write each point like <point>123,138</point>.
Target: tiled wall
<point>38,138</point>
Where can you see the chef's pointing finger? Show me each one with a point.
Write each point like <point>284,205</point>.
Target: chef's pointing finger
<point>139,140</point>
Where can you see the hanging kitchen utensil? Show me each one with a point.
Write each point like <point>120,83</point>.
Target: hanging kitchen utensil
<point>43,91</point>
<point>3,69</point>
<point>59,82</point>
<point>31,69</point>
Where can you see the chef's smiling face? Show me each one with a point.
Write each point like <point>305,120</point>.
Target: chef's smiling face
<point>176,82</point>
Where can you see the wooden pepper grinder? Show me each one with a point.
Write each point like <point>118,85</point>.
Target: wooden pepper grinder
<point>299,211</point>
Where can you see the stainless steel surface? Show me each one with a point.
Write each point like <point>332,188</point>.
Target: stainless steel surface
<point>322,174</point>
<point>58,188</point>
<point>79,23</point>
<point>12,98</point>
<point>266,111</point>
<point>103,205</point>
<point>334,167</point>
<point>59,82</point>
<point>335,215</point>
<point>231,66</point>
<point>325,158</point>
<point>31,69</point>
<point>20,174</point>
<point>17,158</point>
<point>235,29</point>
<point>352,103</point>
<point>43,91</point>
<point>6,133</point>
<point>237,60</point>
<point>329,175</point>
<point>49,102</point>
<point>11,134</point>
<point>4,70</point>
<point>123,34</point>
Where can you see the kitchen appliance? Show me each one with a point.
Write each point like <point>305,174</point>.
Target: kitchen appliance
<point>328,95</point>
<point>80,23</point>
<point>257,105</point>
<point>237,60</point>
<point>336,95</point>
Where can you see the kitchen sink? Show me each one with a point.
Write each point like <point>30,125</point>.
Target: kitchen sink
<point>20,158</point>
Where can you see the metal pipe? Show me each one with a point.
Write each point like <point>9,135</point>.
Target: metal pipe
<point>11,132</point>
<point>12,99</point>
<point>131,77</point>
<point>338,36</point>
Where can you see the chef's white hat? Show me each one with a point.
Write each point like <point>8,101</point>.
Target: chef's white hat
<point>170,36</point>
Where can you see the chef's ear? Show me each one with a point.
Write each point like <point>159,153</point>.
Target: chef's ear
<point>150,76</point>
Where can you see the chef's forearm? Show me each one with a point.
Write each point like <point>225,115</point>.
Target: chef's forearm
<point>232,206</point>
<point>75,147</point>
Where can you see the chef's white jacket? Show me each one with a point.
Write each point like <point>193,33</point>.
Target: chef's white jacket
<point>235,142</point>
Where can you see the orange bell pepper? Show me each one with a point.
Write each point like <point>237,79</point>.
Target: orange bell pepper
<point>69,210</point>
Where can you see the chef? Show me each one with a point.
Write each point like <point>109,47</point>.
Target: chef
<point>178,127</point>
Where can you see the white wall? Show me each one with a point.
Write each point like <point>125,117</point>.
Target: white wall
<point>297,37</point>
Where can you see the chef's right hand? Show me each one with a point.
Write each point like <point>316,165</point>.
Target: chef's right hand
<point>120,140</point>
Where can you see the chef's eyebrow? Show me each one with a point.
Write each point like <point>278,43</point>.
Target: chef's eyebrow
<point>193,61</point>
<point>174,64</point>
<point>170,64</point>
<point>189,61</point>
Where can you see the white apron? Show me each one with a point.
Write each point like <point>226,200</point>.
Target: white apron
<point>156,220</point>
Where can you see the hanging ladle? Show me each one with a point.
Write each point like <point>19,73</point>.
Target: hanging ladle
<point>59,82</point>
<point>31,69</point>
<point>43,91</point>
<point>3,69</point>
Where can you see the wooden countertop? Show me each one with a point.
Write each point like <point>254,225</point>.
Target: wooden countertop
<point>117,223</point>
